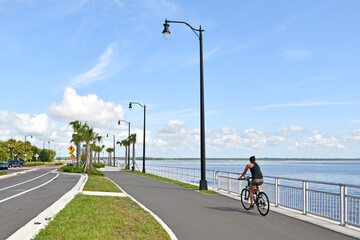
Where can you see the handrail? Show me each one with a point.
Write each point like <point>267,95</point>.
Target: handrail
<point>324,201</point>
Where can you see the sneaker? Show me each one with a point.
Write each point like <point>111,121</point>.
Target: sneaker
<point>251,207</point>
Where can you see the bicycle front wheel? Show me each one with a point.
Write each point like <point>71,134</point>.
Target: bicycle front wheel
<point>245,198</point>
<point>263,204</point>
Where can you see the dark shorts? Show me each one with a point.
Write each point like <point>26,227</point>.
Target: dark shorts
<point>257,181</point>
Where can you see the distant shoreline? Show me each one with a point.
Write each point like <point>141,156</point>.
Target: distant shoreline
<point>259,159</point>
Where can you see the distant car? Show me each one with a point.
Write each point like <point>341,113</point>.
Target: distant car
<point>3,166</point>
<point>15,163</point>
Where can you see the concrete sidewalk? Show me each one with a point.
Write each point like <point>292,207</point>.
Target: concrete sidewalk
<point>194,215</point>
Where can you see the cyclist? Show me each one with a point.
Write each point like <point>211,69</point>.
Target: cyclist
<point>256,175</point>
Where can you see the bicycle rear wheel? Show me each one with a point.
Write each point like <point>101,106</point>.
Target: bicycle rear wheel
<point>263,204</point>
<point>245,198</point>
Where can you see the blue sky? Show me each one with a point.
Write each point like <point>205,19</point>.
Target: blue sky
<point>281,78</point>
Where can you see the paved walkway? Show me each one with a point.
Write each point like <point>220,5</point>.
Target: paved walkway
<point>196,216</point>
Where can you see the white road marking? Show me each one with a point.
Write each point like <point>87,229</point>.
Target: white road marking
<point>29,190</point>
<point>2,189</point>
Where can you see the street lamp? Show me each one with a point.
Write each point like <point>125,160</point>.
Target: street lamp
<point>50,149</point>
<point>198,33</point>
<point>107,135</point>
<point>25,148</point>
<point>128,164</point>
<point>143,106</point>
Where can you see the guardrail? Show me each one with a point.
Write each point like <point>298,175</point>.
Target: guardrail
<point>333,201</point>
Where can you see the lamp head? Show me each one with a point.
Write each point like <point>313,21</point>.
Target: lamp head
<point>107,135</point>
<point>166,31</point>
<point>130,106</point>
<point>119,122</point>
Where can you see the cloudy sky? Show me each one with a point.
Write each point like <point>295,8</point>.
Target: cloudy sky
<point>281,77</point>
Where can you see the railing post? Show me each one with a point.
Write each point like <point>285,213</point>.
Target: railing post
<point>305,197</point>
<point>218,180</point>
<point>342,205</point>
<point>214,177</point>
<point>277,194</point>
<point>228,182</point>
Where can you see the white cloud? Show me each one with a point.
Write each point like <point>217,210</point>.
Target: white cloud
<point>177,136</point>
<point>86,108</point>
<point>103,69</point>
<point>19,125</point>
<point>317,140</point>
<point>353,136</point>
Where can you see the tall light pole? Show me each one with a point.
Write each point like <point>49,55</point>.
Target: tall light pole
<point>144,107</point>
<point>50,148</point>
<point>128,163</point>
<point>107,135</point>
<point>25,148</point>
<point>198,33</point>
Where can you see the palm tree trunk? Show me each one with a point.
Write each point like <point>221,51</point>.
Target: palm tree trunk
<point>78,154</point>
<point>87,155</point>
<point>125,157</point>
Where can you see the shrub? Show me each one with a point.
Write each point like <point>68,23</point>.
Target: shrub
<point>98,165</point>
<point>31,164</point>
<point>58,163</point>
<point>74,169</point>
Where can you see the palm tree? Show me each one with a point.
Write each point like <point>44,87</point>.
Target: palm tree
<point>132,140</point>
<point>77,138</point>
<point>100,150</point>
<point>109,150</point>
<point>11,145</point>
<point>125,143</point>
<point>88,135</point>
<point>93,145</point>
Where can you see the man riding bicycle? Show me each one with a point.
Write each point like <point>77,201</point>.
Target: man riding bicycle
<point>257,177</point>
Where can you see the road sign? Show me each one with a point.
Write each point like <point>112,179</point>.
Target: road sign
<point>36,155</point>
<point>72,156</point>
<point>71,148</point>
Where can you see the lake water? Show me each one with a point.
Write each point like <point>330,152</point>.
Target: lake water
<point>342,172</point>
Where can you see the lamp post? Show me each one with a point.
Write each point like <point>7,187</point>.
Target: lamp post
<point>25,148</point>
<point>107,135</point>
<point>50,149</point>
<point>144,107</point>
<point>128,163</point>
<point>198,33</point>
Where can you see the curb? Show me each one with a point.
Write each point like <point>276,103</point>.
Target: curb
<point>33,227</point>
<point>162,223</point>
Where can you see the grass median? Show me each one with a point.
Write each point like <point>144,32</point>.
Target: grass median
<point>101,184</point>
<point>182,184</point>
<point>99,217</point>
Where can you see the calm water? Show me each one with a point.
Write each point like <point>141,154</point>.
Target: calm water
<point>345,172</point>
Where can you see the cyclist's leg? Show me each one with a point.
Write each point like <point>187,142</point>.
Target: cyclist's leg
<point>252,187</point>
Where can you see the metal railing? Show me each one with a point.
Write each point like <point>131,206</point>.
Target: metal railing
<point>333,201</point>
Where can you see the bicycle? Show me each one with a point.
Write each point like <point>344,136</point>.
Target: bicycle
<point>260,198</point>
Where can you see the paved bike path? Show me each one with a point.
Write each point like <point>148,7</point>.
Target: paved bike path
<point>196,216</point>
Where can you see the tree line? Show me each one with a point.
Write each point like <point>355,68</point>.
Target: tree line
<point>12,149</point>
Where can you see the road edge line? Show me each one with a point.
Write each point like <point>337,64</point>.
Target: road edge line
<point>30,230</point>
<point>157,218</point>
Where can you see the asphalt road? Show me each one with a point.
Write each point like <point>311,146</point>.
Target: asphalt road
<point>196,216</point>
<point>24,196</point>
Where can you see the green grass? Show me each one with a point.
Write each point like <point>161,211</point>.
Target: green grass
<point>182,184</point>
<point>101,184</point>
<point>96,217</point>
<point>2,173</point>
<point>98,165</point>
